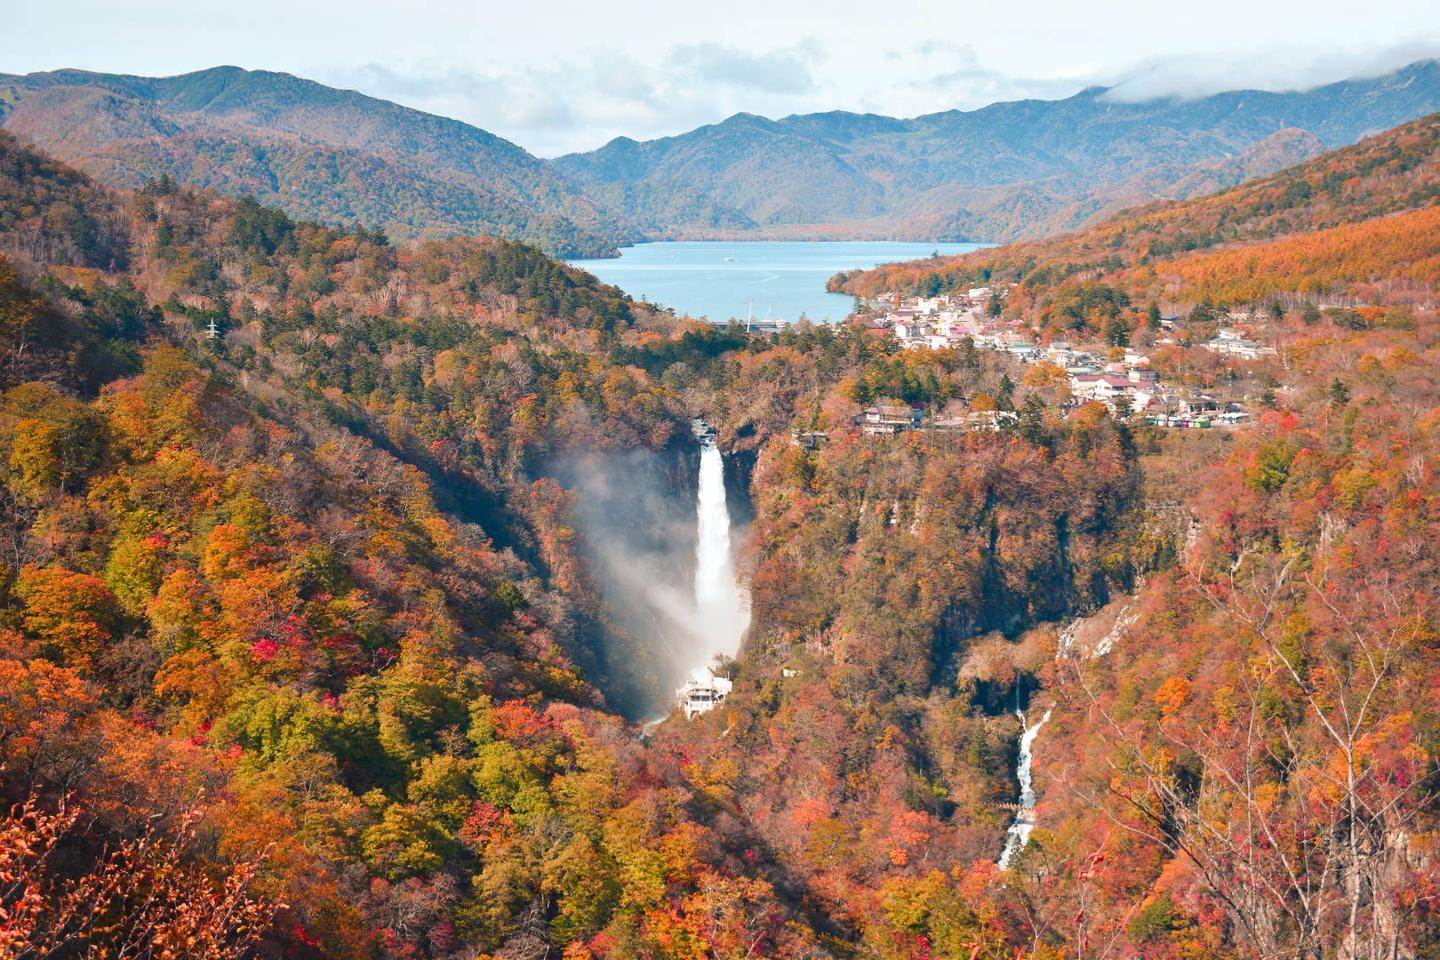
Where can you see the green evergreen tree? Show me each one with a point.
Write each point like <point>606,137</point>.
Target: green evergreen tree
<point>1339,393</point>
<point>1032,419</point>
<point>1005,395</point>
<point>1152,316</point>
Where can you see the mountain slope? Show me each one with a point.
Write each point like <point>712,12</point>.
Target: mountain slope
<point>1230,246</point>
<point>316,151</point>
<point>1007,171</point>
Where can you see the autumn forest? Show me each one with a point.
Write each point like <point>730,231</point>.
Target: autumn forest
<point>310,648</point>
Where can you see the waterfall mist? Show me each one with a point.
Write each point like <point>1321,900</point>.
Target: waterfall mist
<point>658,534</point>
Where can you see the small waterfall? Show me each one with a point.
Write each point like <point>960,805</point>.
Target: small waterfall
<point>1019,833</point>
<point>722,611</point>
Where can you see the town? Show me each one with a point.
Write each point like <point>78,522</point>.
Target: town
<point>1122,378</point>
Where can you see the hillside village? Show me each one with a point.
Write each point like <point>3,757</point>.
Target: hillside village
<point>1122,378</point>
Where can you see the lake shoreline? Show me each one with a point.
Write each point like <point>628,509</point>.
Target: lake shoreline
<point>724,280</point>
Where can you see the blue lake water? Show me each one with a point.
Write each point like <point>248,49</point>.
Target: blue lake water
<point>781,279</point>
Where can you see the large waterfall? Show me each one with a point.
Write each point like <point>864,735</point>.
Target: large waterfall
<point>1019,832</point>
<point>721,611</point>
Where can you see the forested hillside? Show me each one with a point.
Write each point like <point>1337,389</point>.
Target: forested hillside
<point>305,652</point>
<point>316,152</point>
<point>1353,227</point>
<point>300,604</point>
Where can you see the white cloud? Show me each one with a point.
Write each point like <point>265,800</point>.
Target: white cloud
<point>775,72</point>
<point>1274,68</point>
<point>944,75</point>
<point>556,107</point>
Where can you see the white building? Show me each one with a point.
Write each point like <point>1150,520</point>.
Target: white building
<point>702,693</point>
<point>907,330</point>
<point>1108,389</point>
<point>1233,343</point>
<point>888,419</point>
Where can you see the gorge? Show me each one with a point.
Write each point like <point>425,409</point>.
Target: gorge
<point>659,531</point>
<point>378,554</point>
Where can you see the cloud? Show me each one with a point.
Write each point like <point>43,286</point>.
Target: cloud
<point>583,99</point>
<point>943,75</point>
<point>546,108</point>
<point>777,72</point>
<point>1274,68</point>
<point>580,102</point>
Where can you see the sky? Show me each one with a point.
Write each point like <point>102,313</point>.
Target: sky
<point>557,76</point>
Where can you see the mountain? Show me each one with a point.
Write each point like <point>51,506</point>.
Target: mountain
<point>1357,223</point>
<point>1007,171</point>
<point>317,152</point>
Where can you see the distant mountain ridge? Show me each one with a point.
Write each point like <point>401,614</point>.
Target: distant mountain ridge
<point>1007,171</point>
<point>319,152</point>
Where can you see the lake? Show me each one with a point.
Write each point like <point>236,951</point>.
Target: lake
<point>780,279</point>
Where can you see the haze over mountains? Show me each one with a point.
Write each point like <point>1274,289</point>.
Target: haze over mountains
<point>1008,171</point>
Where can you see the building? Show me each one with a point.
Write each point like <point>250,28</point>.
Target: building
<point>1233,343</point>
<point>976,421</point>
<point>887,419</point>
<point>1107,389</point>
<point>702,693</point>
<point>910,329</point>
<point>810,439</point>
<point>1198,405</point>
<point>1023,351</point>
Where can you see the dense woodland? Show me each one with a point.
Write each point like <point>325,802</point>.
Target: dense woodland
<point>304,656</point>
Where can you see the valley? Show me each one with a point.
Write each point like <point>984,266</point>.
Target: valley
<point>376,584</point>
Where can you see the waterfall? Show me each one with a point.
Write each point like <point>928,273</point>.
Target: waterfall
<point>722,615</point>
<point>1019,833</point>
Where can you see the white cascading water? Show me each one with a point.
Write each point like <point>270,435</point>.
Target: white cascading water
<point>722,615</point>
<point>1019,833</point>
